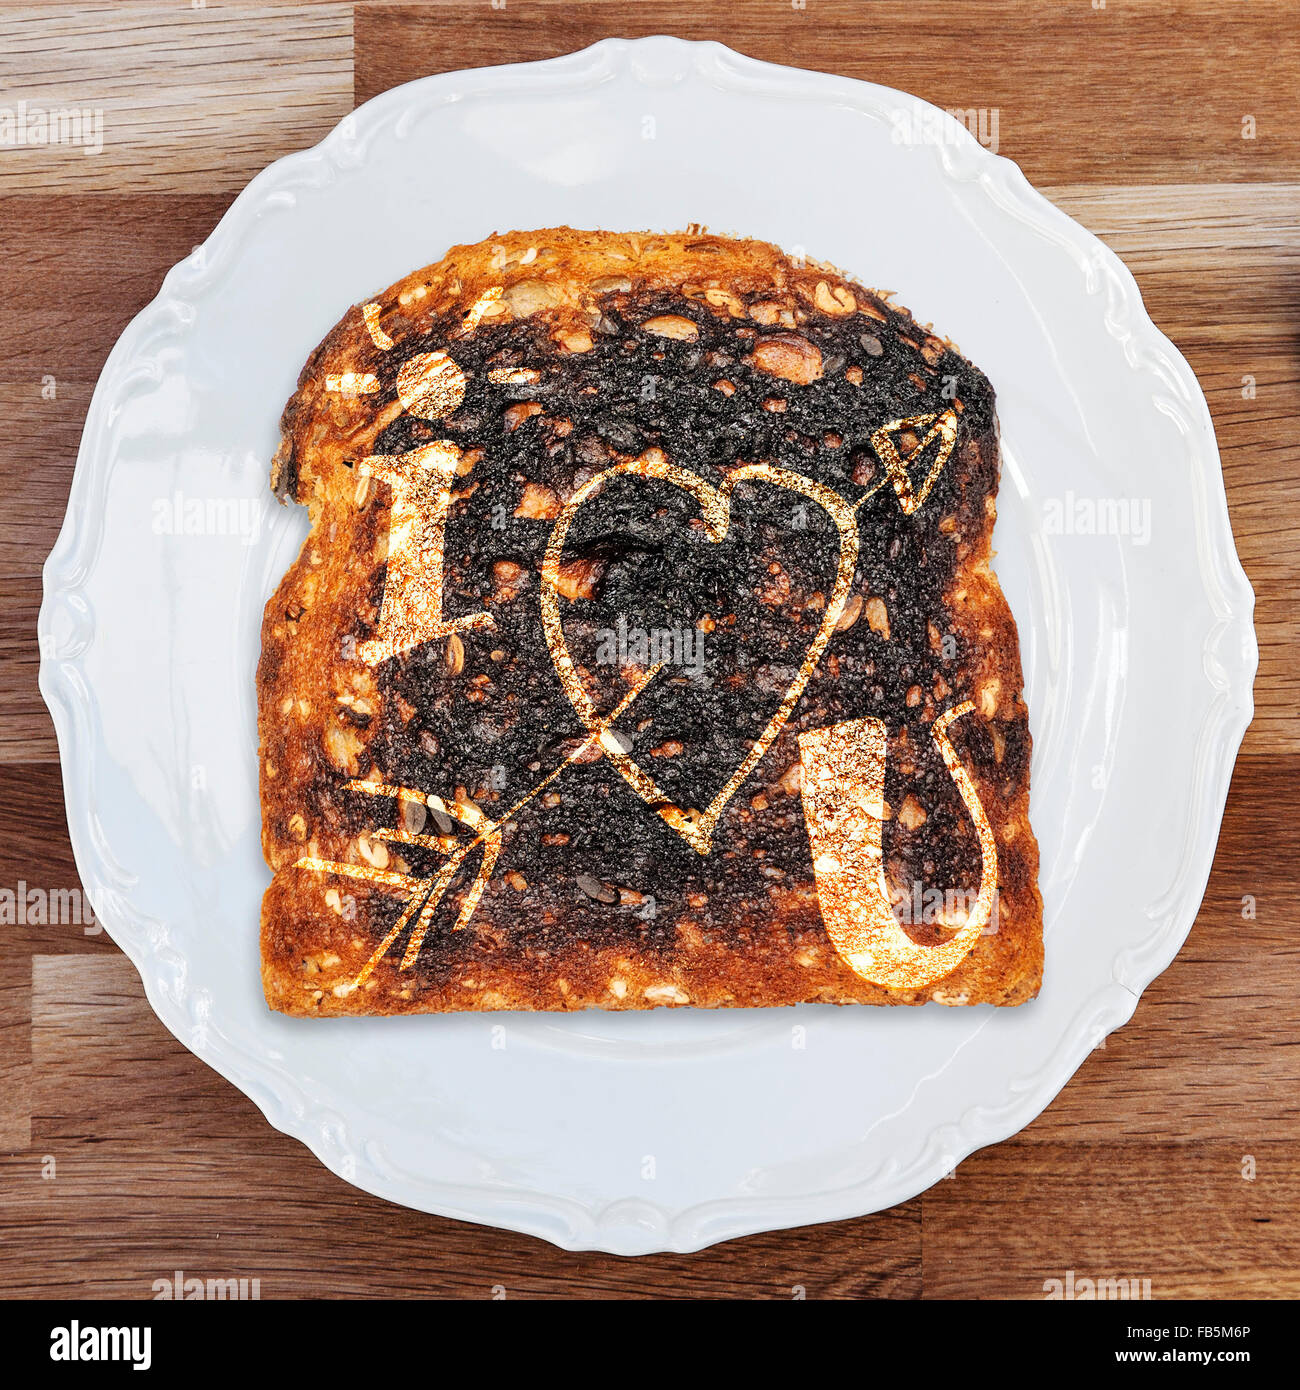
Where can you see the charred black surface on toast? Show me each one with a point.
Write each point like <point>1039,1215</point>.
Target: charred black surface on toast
<point>495,727</point>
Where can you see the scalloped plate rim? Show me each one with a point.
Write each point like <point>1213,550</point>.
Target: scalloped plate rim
<point>564,1221</point>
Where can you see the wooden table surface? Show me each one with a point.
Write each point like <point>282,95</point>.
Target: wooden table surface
<point>1168,127</point>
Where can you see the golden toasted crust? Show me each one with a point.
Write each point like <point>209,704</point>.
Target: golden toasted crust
<point>573,354</point>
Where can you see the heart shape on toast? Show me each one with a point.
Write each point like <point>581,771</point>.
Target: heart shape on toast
<point>715,508</point>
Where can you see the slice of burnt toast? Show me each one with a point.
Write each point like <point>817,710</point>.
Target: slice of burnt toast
<point>644,649</point>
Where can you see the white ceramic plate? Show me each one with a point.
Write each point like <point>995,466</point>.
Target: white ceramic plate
<point>674,1129</point>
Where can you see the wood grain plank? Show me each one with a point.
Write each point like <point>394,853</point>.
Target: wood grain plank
<point>1142,91</point>
<point>91,1022</point>
<point>168,98</point>
<point>1218,264</point>
<point>33,839</point>
<point>40,428</point>
<point>15,1057</point>
<point>25,727</point>
<point>39,436</point>
<point>118,1217</point>
<point>34,855</point>
<point>1219,269</point>
<point>107,257</point>
<point>1211,1052</point>
<point>1180,1215</point>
